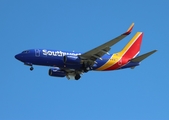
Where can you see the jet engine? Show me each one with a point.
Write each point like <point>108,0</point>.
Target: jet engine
<point>56,72</point>
<point>71,59</point>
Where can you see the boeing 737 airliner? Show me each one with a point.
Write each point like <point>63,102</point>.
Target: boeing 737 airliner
<point>73,64</point>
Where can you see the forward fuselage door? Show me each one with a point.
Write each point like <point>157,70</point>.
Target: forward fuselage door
<point>37,52</point>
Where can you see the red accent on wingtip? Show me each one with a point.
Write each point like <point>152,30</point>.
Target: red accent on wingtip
<point>129,30</point>
<point>126,33</point>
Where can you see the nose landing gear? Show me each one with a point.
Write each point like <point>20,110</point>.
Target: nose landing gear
<point>29,64</point>
<point>31,68</point>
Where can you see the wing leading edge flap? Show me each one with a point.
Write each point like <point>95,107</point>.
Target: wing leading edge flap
<point>104,48</point>
<point>142,57</point>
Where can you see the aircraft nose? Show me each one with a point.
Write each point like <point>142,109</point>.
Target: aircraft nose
<point>17,57</point>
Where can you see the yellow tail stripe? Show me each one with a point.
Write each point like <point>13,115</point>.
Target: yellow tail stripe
<point>130,43</point>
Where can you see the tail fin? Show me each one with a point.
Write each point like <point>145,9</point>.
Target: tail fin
<point>142,57</point>
<point>132,49</point>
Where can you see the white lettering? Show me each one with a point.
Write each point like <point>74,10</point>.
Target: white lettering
<point>58,53</point>
<point>44,52</point>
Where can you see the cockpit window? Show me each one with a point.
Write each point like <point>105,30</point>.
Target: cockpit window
<point>26,51</point>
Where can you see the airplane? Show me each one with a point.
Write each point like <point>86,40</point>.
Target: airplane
<point>73,64</point>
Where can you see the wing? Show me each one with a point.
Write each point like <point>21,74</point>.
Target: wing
<point>99,51</point>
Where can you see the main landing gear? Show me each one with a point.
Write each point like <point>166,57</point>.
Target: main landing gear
<point>86,67</point>
<point>77,77</point>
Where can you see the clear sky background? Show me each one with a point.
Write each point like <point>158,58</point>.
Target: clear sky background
<point>142,93</point>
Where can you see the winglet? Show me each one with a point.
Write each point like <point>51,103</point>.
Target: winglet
<point>129,29</point>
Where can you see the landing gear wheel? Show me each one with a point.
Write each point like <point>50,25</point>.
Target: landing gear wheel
<point>86,69</point>
<point>77,77</point>
<point>31,68</point>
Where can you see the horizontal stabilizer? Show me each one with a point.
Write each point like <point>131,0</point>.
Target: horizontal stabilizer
<point>142,57</point>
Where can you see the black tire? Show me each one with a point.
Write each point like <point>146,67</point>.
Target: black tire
<point>77,77</point>
<point>31,68</point>
<point>85,70</point>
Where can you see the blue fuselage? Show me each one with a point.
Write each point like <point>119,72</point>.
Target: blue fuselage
<point>55,58</point>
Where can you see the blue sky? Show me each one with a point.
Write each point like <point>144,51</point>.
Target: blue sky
<point>141,94</point>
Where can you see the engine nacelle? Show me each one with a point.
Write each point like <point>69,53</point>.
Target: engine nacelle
<point>68,59</point>
<point>56,72</point>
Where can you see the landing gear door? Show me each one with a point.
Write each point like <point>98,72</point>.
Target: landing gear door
<point>37,52</point>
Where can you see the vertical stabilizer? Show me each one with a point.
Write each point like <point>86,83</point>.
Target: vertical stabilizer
<point>132,49</point>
